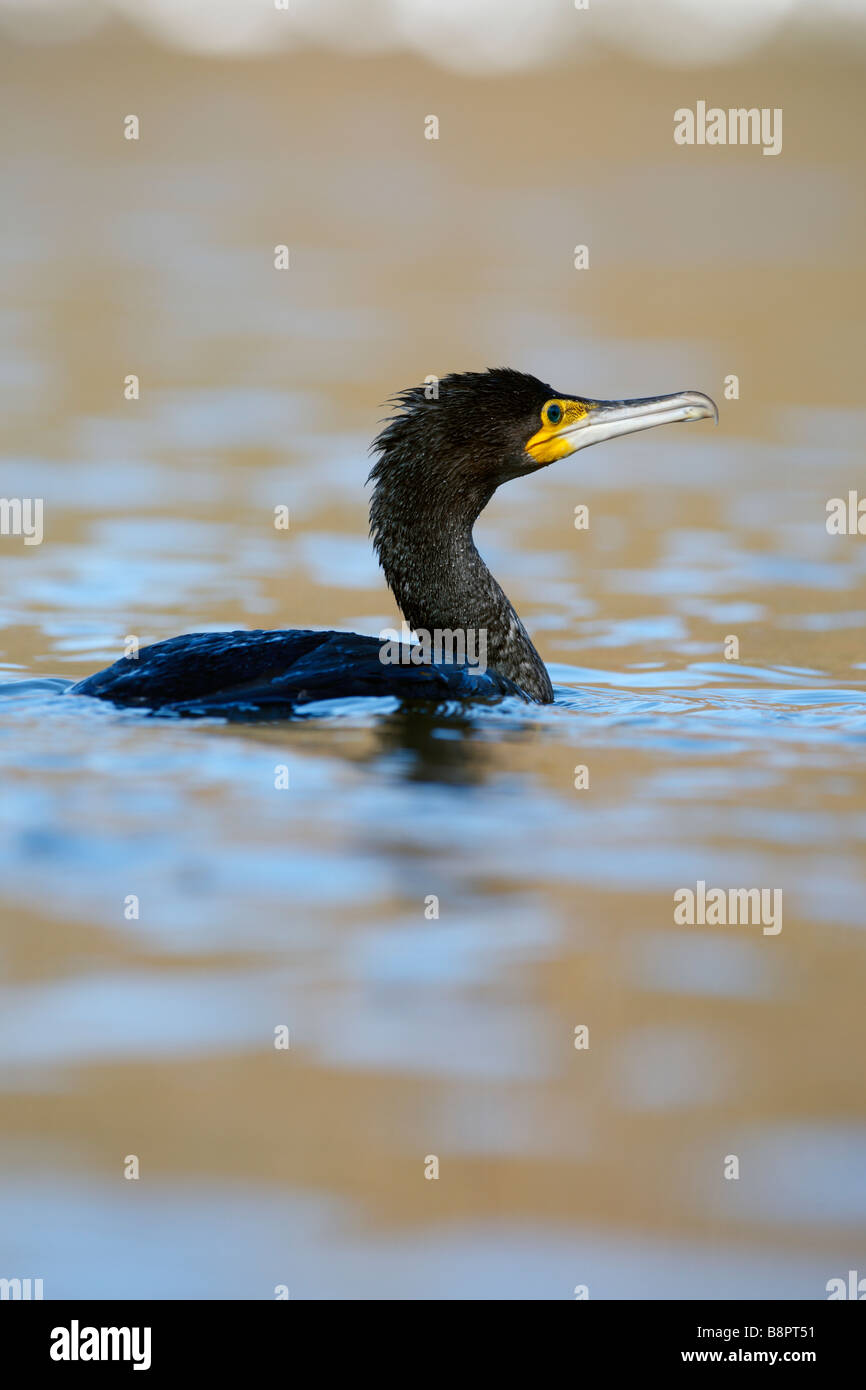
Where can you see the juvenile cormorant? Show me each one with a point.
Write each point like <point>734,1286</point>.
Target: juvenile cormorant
<point>439,462</point>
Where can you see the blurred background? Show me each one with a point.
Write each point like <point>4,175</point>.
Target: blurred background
<point>411,1036</point>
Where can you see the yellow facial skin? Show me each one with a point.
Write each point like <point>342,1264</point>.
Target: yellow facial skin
<point>548,444</point>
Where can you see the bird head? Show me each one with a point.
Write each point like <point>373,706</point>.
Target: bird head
<point>478,429</point>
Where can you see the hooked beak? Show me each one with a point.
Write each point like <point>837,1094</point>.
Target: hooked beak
<point>589,422</point>
<point>607,419</point>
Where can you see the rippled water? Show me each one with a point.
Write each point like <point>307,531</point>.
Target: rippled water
<point>412,1034</point>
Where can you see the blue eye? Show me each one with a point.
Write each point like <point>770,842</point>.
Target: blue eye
<point>554,414</point>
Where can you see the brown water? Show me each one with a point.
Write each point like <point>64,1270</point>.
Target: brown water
<point>413,1036</point>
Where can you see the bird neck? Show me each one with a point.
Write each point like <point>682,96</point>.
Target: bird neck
<point>427,551</point>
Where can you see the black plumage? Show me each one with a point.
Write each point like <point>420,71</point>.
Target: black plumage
<point>439,459</point>
<point>259,674</point>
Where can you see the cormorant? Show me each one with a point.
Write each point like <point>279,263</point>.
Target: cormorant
<point>441,457</point>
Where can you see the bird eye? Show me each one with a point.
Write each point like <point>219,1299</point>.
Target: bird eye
<point>554,414</point>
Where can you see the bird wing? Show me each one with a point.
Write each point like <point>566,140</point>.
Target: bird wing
<point>267,674</point>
